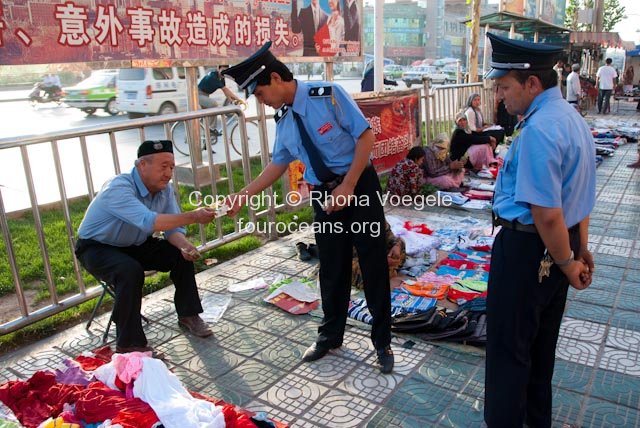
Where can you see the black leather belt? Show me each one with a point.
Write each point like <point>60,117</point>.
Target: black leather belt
<point>515,225</point>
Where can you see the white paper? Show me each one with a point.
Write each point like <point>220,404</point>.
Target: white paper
<point>297,290</point>
<point>248,285</point>
<point>214,306</point>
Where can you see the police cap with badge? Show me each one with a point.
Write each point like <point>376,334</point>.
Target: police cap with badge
<point>509,54</point>
<point>246,73</point>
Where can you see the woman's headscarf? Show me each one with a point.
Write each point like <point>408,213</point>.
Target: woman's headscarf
<point>476,111</point>
<point>459,116</point>
<point>440,146</point>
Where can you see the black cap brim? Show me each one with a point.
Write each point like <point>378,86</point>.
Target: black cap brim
<point>246,73</point>
<point>495,73</point>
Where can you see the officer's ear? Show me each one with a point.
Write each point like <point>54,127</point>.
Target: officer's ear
<point>275,77</point>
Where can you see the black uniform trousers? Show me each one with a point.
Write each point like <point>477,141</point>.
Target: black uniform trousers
<point>336,235</point>
<point>124,267</point>
<point>523,322</point>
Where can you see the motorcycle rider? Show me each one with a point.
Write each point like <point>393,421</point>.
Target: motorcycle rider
<point>51,85</point>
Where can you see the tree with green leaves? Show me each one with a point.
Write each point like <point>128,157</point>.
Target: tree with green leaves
<point>613,13</point>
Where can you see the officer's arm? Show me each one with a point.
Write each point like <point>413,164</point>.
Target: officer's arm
<point>554,234</point>
<point>364,145</point>
<point>267,177</point>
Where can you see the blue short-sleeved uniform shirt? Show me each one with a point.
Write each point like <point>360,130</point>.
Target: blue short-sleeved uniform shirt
<point>211,82</point>
<point>550,164</point>
<point>334,123</point>
<point>124,211</point>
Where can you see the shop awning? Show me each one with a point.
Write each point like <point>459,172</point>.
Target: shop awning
<point>522,24</point>
<point>603,39</point>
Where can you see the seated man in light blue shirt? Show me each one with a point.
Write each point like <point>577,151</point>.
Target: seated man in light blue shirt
<point>116,243</point>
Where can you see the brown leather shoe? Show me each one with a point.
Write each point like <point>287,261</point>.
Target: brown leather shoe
<point>634,165</point>
<point>195,325</point>
<point>127,349</point>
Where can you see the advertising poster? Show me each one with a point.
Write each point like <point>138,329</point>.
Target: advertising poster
<point>553,11</point>
<point>512,6</point>
<point>395,121</point>
<point>48,31</point>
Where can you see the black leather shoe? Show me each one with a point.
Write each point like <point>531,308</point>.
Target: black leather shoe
<point>314,352</point>
<point>303,251</point>
<point>385,359</point>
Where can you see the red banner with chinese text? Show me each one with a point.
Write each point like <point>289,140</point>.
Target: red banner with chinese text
<point>395,121</point>
<point>46,32</point>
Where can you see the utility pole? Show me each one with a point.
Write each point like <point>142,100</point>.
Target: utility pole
<point>475,41</point>
<point>598,16</point>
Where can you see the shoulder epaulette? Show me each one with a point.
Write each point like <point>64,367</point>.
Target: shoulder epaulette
<point>279,114</point>
<point>320,91</point>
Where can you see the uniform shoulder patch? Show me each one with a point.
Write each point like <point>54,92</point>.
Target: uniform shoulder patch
<point>279,114</point>
<point>320,91</point>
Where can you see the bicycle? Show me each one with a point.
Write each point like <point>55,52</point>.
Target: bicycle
<point>207,128</point>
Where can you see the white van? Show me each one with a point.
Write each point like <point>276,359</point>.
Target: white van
<point>143,91</point>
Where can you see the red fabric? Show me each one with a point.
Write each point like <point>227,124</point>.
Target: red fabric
<point>101,356</point>
<point>454,295</point>
<point>98,402</point>
<point>485,248</point>
<point>89,363</point>
<point>465,264</point>
<point>234,419</point>
<point>419,228</point>
<point>483,195</point>
<point>38,398</point>
<point>136,418</point>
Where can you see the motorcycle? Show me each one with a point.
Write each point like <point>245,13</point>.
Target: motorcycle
<point>36,96</point>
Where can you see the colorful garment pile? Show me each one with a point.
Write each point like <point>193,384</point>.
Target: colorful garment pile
<point>128,390</point>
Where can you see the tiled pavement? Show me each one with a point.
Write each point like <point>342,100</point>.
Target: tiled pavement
<point>253,360</point>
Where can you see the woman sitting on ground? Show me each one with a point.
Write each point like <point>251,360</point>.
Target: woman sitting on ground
<point>396,256</point>
<point>438,168</point>
<point>406,177</point>
<point>476,121</point>
<point>476,151</point>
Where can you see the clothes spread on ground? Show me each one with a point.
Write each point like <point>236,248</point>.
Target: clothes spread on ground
<point>138,392</point>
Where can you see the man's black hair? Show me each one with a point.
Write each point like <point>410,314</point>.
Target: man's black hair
<point>264,78</point>
<point>548,78</point>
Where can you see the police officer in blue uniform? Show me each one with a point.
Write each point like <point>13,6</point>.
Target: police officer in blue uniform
<point>544,195</point>
<point>322,126</point>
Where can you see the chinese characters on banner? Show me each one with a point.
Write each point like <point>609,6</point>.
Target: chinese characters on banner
<point>395,121</point>
<point>41,31</point>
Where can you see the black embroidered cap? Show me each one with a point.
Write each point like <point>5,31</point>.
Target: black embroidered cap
<point>509,54</point>
<point>246,73</point>
<point>151,147</point>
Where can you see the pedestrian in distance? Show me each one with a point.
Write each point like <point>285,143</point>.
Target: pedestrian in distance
<point>605,82</point>
<point>320,124</point>
<point>543,197</point>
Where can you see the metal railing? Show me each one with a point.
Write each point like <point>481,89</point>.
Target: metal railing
<point>441,103</point>
<point>88,144</point>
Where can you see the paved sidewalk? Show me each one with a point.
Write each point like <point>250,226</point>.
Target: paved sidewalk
<point>253,360</point>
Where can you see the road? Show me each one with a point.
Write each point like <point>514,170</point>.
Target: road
<point>19,118</point>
